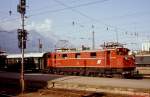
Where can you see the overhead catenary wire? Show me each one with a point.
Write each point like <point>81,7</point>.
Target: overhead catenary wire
<point>79,12</point>
<point>93,19</point>
<point>57,10</point>
<point>55,5</point>
<point>8,13</point>
<point>72,7</point>
<point>115,28</point>
<point>67,8</point>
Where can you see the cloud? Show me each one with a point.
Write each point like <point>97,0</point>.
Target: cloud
<point>9,26</point>
<point>41,27</point>
<point>44,28</point>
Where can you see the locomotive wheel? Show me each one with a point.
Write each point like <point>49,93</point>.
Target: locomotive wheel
<point>77,73</point>
<point>100,74</point>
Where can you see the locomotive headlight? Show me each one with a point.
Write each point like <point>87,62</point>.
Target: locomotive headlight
<point>133,57</point>
<point>126,58</point>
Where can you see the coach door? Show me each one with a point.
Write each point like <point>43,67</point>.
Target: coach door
<point>107,58</point>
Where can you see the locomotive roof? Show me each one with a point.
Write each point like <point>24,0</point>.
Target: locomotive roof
<point>97,50</point>
<point>26,55</point>
<point>79,51</point>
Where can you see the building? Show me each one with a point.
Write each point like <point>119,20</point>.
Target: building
<point>2,58</point>
<point>146,46</point>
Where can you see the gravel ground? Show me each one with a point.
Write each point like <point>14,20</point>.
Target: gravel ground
<point>74,86</point>
<point>113,82</point>
<point>14,91</point>
<point>69,93</point>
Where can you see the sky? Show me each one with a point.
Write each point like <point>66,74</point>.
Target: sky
<point>125,21</point>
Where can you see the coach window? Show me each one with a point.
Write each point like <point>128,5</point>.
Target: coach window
<point>93,54</point>
<point>48,56</point>
<point>64,56</point>
<point>77,55</point>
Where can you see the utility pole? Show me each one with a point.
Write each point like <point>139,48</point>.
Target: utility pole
<point>117,37</point>
<point>93,38</point>
<point>40,46</point>
<point>22,37</point>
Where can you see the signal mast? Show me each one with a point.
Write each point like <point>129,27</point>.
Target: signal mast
<point>22,37</point>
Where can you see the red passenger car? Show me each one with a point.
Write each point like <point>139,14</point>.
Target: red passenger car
<point>112,60</point>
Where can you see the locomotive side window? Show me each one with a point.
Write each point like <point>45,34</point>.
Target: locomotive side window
<point>77,55</point>
<point>119,52</point>
<point>93,54</point>
<point>64,56</point>
<point>122,51</point>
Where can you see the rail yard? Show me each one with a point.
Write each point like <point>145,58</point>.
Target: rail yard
<point>74,48</point>
<point>87,73</point>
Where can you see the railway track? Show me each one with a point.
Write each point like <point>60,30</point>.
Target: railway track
<point>9,89</point>
<point>6,95</point>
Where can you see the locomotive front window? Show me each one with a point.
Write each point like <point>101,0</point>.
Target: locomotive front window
<point>48,56</point>
<point>93,54</point>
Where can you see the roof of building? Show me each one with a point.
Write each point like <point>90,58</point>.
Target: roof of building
<point>142,55</point>
<point>26,55</point>
<point>2,51</point>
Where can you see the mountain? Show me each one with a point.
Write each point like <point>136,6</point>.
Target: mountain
<point>9,42</point>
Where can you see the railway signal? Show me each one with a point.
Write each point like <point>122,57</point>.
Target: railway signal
<point>21,8</point>
<point>22,34</point>
<point>19,34</point>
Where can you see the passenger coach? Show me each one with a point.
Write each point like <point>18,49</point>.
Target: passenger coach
<point>32,61</point>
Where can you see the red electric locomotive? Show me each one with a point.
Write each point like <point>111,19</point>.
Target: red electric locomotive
<point>112,60</point>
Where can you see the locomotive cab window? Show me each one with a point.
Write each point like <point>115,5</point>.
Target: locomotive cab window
<point>122,51</point>
<point>93,54</point>
<point>77,55</point>
<point>64,56</point>
<point>55,56</point>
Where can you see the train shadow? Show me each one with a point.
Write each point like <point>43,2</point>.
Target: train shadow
<point>10,82</point>
<point>95,95</point>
